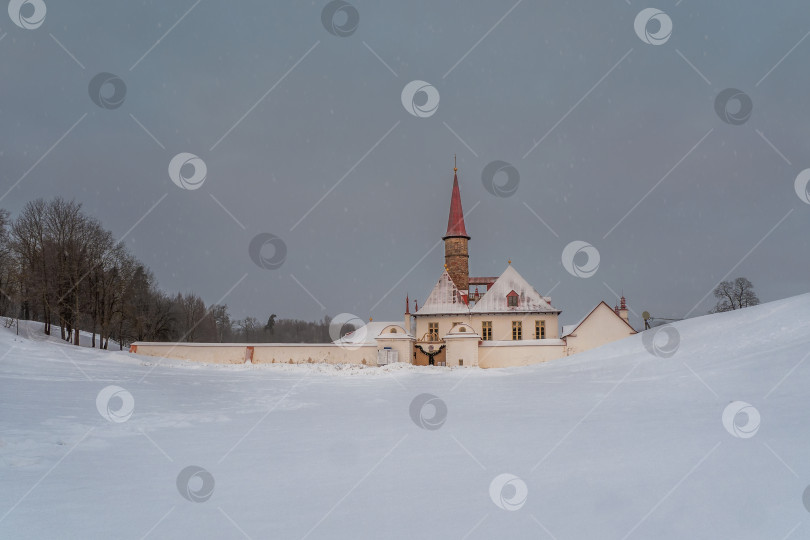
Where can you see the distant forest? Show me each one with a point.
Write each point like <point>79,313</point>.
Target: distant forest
<point>59,266</point>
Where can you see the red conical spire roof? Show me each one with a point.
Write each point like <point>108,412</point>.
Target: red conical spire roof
<point>455,224</point>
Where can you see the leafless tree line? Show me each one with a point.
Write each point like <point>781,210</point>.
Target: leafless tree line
<point>59,266</point>
<point>251,330</point>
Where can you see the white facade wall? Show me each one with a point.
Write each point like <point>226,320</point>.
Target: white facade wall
<point>601,327</point>
<point>501,324</point>
<point>395,338</point>
<point>501,354</point>
<point>462,346</point>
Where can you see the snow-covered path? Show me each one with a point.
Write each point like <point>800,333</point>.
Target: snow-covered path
<point>615,443</point>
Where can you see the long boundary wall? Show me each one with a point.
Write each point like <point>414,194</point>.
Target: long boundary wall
<point>261,353</point>
<point>484,354</point>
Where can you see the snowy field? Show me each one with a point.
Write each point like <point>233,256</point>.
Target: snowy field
<point>625,441</point>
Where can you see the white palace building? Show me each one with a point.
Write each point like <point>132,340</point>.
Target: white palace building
<point>467,321</point>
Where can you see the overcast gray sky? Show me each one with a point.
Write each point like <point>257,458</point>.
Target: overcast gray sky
<point>616,140</point>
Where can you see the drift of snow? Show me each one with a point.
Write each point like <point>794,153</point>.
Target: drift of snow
<point>624,441</point>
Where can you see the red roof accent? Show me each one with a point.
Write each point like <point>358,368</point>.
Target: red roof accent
<point>455,223</point>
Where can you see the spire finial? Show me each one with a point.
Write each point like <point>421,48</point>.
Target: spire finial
<point>455,165</point>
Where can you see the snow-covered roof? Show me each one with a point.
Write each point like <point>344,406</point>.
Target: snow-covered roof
<point>445,298</point>
<point>568,329</point>
<point>367,333</point>
<point>529,300</point>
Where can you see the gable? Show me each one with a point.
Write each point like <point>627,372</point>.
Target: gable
<point>444,298</point>
<point>602,318</point>
<point>510,282</point>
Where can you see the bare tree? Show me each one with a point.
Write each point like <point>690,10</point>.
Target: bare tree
<point>222,321</point>
<point>735,294</point>
<point>28,243</point>
<point>194,321</point>
<point>250,328</point>
<point>8,267</point>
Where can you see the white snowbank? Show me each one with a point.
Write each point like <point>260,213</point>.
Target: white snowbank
<point>618,442</point>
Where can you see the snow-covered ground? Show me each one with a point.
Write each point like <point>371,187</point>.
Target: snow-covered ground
<point>625,441</point>
<point>34,331</point>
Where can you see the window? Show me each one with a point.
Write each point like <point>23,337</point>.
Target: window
<point>539,329</point>
<point>433,331</point>
<point>486,330</point>
<point>512,299</point>
<point>460,361</point>
<point>517,330</point>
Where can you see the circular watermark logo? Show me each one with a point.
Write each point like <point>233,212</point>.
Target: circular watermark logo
<point>258,251</point>
<point>505,189</point>
<point>662,341</point>
<point>348,331</point>
<point>421,99</point>
<point>187,171</point>
<point>733,106</point>
<point>340,18</point>
<point>195,484</point>
<point>741,419</point>
<point>508,492</point>
<point>802,186</point>
<point>28,14</point>
<point>107,90</point>
<point>428,411</point>
<point>572,259</point>
<point>115,404</point>
<point>648,18</point>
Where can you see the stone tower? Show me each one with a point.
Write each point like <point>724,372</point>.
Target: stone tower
<point>456,255</point>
